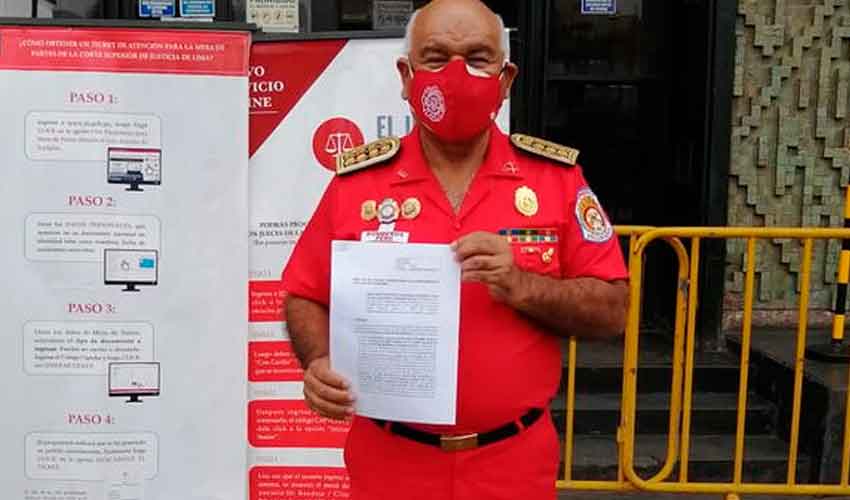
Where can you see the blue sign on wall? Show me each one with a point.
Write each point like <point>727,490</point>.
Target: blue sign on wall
<point>197,8</point>
<point>156,8</point>
<point>605,7</point>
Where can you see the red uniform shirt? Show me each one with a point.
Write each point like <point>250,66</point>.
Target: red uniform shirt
<point>507,364</point>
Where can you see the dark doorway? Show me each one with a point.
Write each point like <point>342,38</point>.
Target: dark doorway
<point>631,89</point>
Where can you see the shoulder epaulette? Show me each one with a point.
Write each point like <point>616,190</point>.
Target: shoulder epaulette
<point>548,149</point>
<point>367,155</point>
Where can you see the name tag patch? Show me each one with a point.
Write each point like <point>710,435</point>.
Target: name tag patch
<point>384,236</point>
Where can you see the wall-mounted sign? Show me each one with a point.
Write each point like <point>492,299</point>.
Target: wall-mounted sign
<point>157,8</point>
<point>390,15</point>
<point>600,7</point>
<point>273,15</point>
<point>197,8</point>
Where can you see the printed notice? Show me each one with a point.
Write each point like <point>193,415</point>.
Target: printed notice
<point>395,311</point>
<point>65,237</point>
<point>84,348</point>
<point>87,457</point>
<point>87,136</point>
<point>39,490</point>
<point>299,483</point>
<point>265,301</point>
<point>289,423</point>
<point>273,362</point>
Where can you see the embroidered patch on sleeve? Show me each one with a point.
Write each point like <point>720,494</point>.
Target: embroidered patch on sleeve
<point>594,224</point>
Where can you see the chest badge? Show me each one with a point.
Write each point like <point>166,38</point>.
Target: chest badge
<point>525,201</point>
<point>369,210</point>
<point>388,211</point>
<point>411,208</point>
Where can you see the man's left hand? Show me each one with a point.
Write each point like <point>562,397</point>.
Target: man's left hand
<point>487,258</point>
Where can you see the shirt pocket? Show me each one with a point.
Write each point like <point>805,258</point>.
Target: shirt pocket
<point>536,250</point>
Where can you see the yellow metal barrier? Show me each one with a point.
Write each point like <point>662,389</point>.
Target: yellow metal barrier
<point>679,436</point>
<point>622,483</point>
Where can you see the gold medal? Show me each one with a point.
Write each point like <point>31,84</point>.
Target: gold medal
<point>411,208</point>
<point>388,211</point>
<point>369,210</point>
<point>525,201</point>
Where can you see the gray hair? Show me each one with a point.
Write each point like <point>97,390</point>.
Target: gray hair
<point>503,35</point>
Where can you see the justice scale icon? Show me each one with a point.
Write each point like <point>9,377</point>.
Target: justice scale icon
<point>338,143</point>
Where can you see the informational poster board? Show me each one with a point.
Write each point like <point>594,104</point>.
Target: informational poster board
<point>124,213</point>
<point>310,101</point>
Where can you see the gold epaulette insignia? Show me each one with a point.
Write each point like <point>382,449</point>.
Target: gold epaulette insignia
<point>548,149</point>
<point>367,155</point>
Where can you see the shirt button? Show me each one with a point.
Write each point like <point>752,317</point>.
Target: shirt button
<point>457,225</point>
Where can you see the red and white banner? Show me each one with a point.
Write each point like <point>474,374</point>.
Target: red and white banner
<point>124,210</point>
<point>124,51</point>
<point>310,101</point>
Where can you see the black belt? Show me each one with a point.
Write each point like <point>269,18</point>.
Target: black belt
<point>464,441</point>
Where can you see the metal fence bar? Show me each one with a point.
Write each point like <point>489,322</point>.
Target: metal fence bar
<point>693,298</point>
<point>626,433</point>
<point>739,489</point>
<point>675,413</point>
<point>800,360</point>
<point>683,360</point>
<point>595,485</point>
<point>746,334</point>
<point>737,486</point>
<point>633,233</point>
<point>569,440</point>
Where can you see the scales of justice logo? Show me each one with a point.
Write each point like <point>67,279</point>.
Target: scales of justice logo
<point>333,138</point>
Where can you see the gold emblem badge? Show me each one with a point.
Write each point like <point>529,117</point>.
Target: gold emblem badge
<point>388,211</point>
<point>369,210</point>
<point>546,256</point>
<point>411,208</point>
<point>525,201</point>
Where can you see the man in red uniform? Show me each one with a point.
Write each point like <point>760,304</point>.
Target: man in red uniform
<point>539,262</point>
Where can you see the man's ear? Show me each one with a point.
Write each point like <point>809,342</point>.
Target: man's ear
<point>406,74</point>
<point>508,75</point>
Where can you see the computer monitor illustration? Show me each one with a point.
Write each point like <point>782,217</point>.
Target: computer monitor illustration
<point>134,380</point>
<point>130,268</point>
<point>134,167</point>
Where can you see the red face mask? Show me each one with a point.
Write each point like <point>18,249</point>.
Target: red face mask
<point>453,103</point>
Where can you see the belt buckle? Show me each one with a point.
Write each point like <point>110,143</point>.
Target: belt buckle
<point>459,443</point>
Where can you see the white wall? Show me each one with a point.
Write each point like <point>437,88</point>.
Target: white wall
<point>23,8</point>
<point>15,8</point>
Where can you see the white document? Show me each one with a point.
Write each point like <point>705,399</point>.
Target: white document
<point>394,322</point>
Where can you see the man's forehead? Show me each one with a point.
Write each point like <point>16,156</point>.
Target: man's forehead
<point>465,45</point>
<point>461,23</point>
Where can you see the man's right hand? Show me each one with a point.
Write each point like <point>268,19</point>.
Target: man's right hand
<point>326,392</point>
